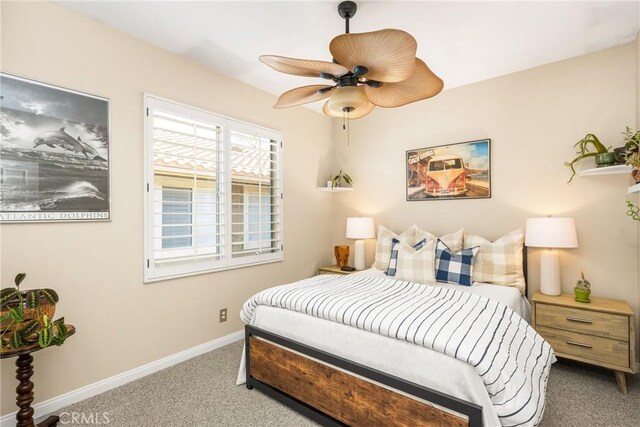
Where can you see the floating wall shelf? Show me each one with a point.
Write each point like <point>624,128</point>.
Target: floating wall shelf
<point>335,190</point>
<point>606,170</point>
<point>634,189</point>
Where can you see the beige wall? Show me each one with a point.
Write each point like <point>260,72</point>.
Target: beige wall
<point>533,119</point>
<point>97,267</point>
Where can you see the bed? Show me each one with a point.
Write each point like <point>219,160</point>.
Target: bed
<point>338,374</point>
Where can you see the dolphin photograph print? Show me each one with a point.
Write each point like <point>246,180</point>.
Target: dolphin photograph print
<point>54,153</point>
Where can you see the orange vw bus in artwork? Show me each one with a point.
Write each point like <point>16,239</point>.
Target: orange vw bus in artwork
<point>445,176</point>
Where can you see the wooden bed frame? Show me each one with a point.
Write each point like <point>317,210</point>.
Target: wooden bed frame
<point>334,391</point>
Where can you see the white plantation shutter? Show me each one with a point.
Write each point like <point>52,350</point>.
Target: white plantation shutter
<point>213,198</point>
<point>255,192</point>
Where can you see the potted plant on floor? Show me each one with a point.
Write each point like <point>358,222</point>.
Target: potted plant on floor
<point>582,289</point>
<point>26,317</point>
<point>601,153</point>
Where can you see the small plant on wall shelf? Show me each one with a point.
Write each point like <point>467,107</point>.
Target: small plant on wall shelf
<point>583,150</point>
<point>341,177</point>
<point>631,150</point>
<point>26,317</point>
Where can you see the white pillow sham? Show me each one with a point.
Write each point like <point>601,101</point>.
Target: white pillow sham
<point>499,262</point>
<point>416,265</point>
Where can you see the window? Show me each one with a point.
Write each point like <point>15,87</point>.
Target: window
<point>213,198</point>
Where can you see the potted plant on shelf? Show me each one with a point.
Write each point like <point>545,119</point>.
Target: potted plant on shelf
<point>582,290</point>
<point>632,152</point>
<point>26,317</point>
<point>602,155</point>
<point>631,146</point>
<point>339,178</point>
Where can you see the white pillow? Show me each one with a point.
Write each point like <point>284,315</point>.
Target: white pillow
<point>452,240</point>
<point>416,265</point>
<point>383,245</point>
<point>498,262</point>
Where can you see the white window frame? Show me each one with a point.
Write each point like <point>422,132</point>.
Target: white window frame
<point>153,274</point>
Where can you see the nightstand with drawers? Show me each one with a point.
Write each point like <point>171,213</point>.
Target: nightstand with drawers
<point>599,333</point>
<point>333,269</point>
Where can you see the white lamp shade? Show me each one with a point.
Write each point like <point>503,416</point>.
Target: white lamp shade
<point>551,232</point>
<point>360,228</point>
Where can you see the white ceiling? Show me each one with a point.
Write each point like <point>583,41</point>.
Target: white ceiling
<point>462,42</point>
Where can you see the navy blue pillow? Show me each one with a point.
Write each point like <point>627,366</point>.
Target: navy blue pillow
<point>454,268</point>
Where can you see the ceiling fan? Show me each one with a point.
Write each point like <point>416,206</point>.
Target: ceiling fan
<point>376,69</point>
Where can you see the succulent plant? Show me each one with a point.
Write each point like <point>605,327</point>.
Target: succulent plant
<point>26,317</point>
<point>583,283</point>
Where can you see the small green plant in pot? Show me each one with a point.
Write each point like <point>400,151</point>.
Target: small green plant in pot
<point>341,177</point>
<point>602,155</point>
<point>26,317</point>
<point>582,290</point>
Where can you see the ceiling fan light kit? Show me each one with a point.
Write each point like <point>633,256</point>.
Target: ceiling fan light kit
<point>372,69</point>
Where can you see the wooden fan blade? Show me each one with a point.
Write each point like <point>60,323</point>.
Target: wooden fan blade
<point>422,85</point>
<point>361,112</point>
<point>303,67</point>
<point>388,54</point>
<point>302,95</point>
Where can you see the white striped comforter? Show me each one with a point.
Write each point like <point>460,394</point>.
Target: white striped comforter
<point>510,357</point>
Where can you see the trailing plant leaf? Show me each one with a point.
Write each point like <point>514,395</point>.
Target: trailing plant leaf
<point>56,340</point>
<point>7,295</point>
<point>16,314</point>
<point>50,295</point>
<point>33,299</point>
<point>44,337</point>
<point>571,164</point>
<point>16,340</point>
<point>61,328</point>
<point>30,328</point>
<point>633,211</point>
<point>19,278</point>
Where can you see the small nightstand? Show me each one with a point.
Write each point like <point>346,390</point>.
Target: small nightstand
<point>332,269</point>
<point>600,333</point>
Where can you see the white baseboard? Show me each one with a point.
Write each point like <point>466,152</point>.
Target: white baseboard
<point>66,399</point>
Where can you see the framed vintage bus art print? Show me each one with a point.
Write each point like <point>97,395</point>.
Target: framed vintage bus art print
<point>448,172</point>
<point>54,153</point>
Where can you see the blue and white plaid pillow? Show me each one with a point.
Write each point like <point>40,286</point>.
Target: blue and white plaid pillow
<point>454,268</point>
<point>393,261</point>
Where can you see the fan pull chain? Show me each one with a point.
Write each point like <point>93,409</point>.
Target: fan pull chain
<point>348,130</point>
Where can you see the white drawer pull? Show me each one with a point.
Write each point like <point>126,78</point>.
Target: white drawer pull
<point>579,344</point>
<point>577,319</point>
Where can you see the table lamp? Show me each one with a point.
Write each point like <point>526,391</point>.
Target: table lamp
<point>359,228</point>
<point>550,233</point>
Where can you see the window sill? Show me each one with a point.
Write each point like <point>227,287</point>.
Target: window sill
<point>213,270</point>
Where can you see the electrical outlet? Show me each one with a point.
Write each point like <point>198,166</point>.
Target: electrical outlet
<point>223,315</point>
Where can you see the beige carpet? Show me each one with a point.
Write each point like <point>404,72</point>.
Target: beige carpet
<point>202,392</point>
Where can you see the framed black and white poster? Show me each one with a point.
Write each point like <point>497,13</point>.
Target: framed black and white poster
<point>54,153</point>
<point>447,172</point>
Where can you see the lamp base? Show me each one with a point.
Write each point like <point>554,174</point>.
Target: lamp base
<point>550,273</point>
<point>358,255</point>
